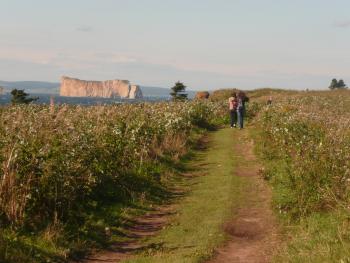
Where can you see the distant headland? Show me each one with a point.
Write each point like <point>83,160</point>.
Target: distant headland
<point>72,87</point>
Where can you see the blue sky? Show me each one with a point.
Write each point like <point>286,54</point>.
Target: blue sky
<point>207,44</point>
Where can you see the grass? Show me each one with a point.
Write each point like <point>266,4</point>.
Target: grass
<point>319,237</point>
<point>196,228</point>
<point>71,175</point>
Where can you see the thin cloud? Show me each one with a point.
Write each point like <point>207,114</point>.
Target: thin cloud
<point>342,24</point>
<point>114,57</point>
<point>84,28</point>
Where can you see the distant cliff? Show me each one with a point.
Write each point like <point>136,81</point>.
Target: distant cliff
<point>71,87</point>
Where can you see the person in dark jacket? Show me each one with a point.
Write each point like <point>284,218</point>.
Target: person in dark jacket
<point>241,101</point>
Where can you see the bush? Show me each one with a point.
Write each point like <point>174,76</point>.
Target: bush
<point>310,135</point>
<point>61,164</point>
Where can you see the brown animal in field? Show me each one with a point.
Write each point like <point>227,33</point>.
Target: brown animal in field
<point>202,95</point>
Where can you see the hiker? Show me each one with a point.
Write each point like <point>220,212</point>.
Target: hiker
<point>241,100</point>
<point>233,109</point>
<point>269,101</point>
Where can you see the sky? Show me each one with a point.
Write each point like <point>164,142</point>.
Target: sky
<point>207,44</point>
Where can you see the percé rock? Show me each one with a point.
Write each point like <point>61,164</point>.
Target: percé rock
<point>2,90</point>
<point>71,87</point>
<point>202,95</point>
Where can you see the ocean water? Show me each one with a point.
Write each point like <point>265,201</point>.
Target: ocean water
<point>45,99</point>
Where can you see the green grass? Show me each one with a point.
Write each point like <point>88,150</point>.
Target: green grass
<point>52,245</point>
<point>196,229</point>
<point>319,237</point>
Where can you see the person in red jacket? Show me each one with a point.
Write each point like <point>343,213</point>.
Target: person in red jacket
<point>232,101</point>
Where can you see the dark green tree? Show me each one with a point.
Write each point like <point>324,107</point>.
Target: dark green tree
<point>179,91</point>
<point>20,97</point>
<point>335,84</point>
<point>341,84</point>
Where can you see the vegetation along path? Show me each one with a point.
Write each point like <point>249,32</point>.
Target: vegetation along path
<point>227,201</point>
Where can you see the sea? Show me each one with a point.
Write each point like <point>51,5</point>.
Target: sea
<point>45,99</point>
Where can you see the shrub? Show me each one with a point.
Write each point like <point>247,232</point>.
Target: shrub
<point>57,165</point>
<point>310,134</point>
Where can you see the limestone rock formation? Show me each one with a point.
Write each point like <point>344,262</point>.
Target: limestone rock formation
<point>71,87</point>
<point>2,90</point>
<point>202,95</point>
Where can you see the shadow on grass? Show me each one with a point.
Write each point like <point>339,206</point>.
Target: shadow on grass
<point>113,220</point>
<point>127,230</point>
<point>20,250</point>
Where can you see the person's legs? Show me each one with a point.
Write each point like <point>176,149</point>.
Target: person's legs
<point>232,117</point>
<point>240,118</point>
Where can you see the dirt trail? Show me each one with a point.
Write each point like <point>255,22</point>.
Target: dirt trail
<point>253,230</point>
<point>145,226</point>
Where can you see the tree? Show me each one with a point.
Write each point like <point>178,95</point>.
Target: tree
<point>335,84</point>
<point>179,91</point>
<point>20,97</point>
<point>341,84</point>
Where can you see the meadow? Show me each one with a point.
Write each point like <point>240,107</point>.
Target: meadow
<point>67,170</point>
<point>304,140</point>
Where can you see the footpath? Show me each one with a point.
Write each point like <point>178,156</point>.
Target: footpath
<point>253,232</point>
<point>224,215</point>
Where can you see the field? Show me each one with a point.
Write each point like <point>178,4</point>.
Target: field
<point>305,142</point>
<point>70,173</point>
<point>67,170</point>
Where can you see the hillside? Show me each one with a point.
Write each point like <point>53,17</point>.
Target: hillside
<point>32,86</point>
